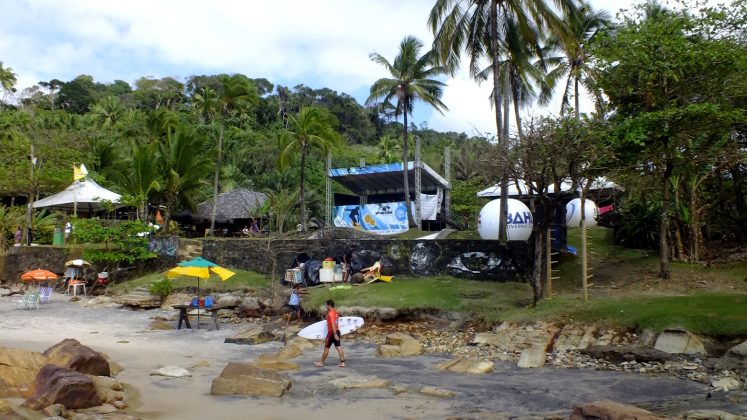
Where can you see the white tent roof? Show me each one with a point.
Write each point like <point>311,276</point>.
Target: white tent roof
<point>520,188</point>
<point>85,192</point>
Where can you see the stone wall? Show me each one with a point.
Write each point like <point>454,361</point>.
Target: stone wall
<point>20,259</point>
<point>476,259</point>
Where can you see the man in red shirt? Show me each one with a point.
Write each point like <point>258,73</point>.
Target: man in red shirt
<point>333,335</point>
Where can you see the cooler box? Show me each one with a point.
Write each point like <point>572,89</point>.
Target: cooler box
<point>297,277</point>
<point>326,275</point>
<point>338,275</point>
<point>289,275</point>
<point>328,264</point>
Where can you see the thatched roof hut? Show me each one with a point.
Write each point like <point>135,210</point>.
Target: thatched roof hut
<point>240,203</point>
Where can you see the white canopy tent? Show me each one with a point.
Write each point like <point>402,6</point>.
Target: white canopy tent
<point>84,194</point>
<point>517,188</point>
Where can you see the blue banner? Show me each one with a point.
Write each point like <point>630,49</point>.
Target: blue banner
<point>383,218</point>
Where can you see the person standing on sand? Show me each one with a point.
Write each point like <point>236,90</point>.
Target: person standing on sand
<point>333,335</point>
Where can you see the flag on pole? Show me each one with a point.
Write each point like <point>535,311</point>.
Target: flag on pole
<point>79,172</point>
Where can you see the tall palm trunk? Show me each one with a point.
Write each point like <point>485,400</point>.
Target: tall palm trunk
<point>498,102</point>
<point>664,222</point>
<point>406,180</point>
<point>215,184</point>
<point>576,99</point>
<point>517,111</point>
<point>302,195</point>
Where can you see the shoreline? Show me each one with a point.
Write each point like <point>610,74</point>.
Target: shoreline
<point>123,335</point>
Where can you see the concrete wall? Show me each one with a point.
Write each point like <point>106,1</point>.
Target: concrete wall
<point>20,259</point>
<point>477,259</point>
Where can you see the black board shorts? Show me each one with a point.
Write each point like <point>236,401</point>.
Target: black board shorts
<point>331,340</point>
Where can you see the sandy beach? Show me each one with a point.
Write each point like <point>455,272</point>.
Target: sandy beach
<point>508,391</point>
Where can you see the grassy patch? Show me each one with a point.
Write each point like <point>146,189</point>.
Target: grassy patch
<point>242,280</point>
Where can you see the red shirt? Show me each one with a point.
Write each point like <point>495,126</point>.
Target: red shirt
<point>332,318</point>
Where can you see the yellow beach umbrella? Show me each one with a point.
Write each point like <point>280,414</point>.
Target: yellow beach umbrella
<point>200,268</point>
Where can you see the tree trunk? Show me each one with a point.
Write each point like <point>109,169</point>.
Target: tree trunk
<point>578,111</point>
<point>584,245</point>
<point>664,222</point>
<point>517,114</point>
<point>406,180</point>
<point>27,237</point>
<point>498,103</point>
<point>539,256</point>
<point>215,183</point>
<point>694,223</point>
<point>302,195</point>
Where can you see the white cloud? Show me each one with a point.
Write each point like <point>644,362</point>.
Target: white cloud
<point>322,43</point>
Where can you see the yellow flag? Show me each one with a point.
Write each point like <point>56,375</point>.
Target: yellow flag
<point>79,172</point>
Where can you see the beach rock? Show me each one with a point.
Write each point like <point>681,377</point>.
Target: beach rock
<point>710,415</point>
<point>4,291</point>
<point>59,385</point>
<point>228,299</point>
<point>437,392</point>
<point>739,351</point>
<point>532,358</point>
<point>360,382</point>
<point>726,384</point>
<point>6,411</point>
<point>517,337</point>
<point>254,335</point>
<point>201,364</point>
<point>610,410</point>
<point>140,298</point>
<point>55,410</point>
<point>160,325</point>
<point>110,390</point>
<point>678,341</point>
<point>171,372</point>
<point>275,364</point>
<point>101,302</point>
<point>301,343</point>
<point>462,365</point>
<point>243,312</point>
<point>399,344</point>
<point>617,354</point>
<point>175,299</point>
<point>69,353</point>
<point>18,368</point>
<point>114,367</point>
<point>249,302</point>
<point>249,379</point>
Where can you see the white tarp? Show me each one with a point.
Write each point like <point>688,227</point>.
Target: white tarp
<point>86,193</point>
<point>430,205</point>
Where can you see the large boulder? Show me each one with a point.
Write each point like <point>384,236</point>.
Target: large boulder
<point>249,379</point>
<point>678,341</point>
<point>59,385</point>
<point>516,337</point>
<point>109,389</point>
<point>532,358</point>
<point>399,344</point>
<point>140,298</point>
<point>69,353</point>
<point>256,335</point>
<point>738,351</point>
<point>462,365</point>
<point>18,368</point>
<point>617,354</point>
<point>610,410</point>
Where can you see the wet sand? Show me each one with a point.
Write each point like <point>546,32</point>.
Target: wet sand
<point>124,335</point>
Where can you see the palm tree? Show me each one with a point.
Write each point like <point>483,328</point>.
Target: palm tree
<point>138,175</point>
<point>411,79</point>
<point>183,164</point>
<point>108,112</point>
<point>236,95</point>
<point>388,149</point>
<point>7,79</point>
<point>572,64</point>
<point>483,29</point>
<point>312,128</point>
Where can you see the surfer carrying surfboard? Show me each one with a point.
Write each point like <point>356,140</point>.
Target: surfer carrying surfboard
<point>333,335</point>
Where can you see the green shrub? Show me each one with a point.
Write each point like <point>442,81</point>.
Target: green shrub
<point>161,288</point>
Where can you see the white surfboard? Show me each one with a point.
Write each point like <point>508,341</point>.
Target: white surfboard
<point>318,331</point>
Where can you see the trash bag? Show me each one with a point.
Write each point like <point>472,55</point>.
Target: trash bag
<point>311,272</point>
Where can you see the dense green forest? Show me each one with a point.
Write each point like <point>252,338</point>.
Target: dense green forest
<point>669,122</point>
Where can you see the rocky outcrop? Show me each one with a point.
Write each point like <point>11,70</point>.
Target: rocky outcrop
<point>399,344</point>
<point>437,392</point>
<point>59,385</point>
<point>619,354</point>
<point>69,353</point>
<point>171,372</point>
<point>360,382</point>
<point>515,337</point>
<point>18,368</point>
<point>710,415</point>
<point>140,298</point>
<point>679,341</point>
<point>110,390</point>
<point>249,379</point>
<point>462,365</point>
<point>255,335</point>
<point>532,358</point>
<point>610,410</point>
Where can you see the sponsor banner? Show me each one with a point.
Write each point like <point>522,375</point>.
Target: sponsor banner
<point>382,218</point>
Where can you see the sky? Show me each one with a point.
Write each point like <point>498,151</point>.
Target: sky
<point>321,43</point>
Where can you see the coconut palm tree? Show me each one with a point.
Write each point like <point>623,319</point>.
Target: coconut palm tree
<point>7,78</point>
<point>236,95</point>
<point>312,128</point>
<point>482,29</point>
<point>183,166</point>
<point>411,78</point>
<point>138,175</point>
<point>388,149</point>
<point>572,64</point>
<point>108,112</point>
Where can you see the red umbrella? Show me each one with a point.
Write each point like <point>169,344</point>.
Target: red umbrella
<point>38,275</point>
